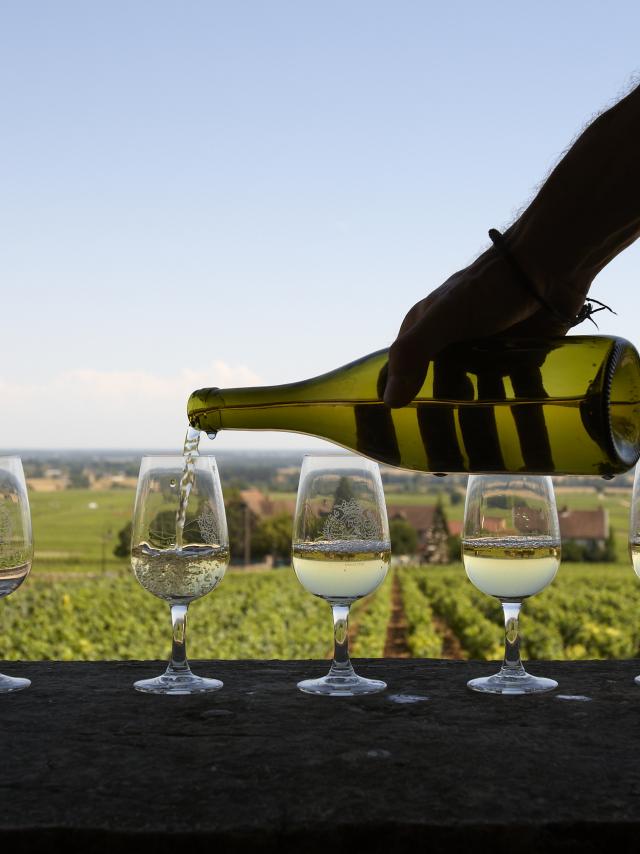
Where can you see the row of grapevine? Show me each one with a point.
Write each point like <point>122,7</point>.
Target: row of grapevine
<point>451,597</point>
<point>422,638</point>
<point>372,620</point>
<point>257,615</point>
<point>587,612</point>
<point>251,615</point>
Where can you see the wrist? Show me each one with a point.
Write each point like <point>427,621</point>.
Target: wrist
<point>552,264</point>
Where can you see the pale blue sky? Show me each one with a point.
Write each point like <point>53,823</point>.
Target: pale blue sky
<point>220,193</point>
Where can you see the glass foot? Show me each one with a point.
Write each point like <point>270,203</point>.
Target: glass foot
<point>12,683</point>
<point>637,680</point>
<point>177,683</point>
<point>342,686</point>
<point>501,683</point>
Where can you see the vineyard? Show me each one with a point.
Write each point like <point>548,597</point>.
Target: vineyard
<point>80,602</point>
<point>588,612</point>
<point>251,615</point>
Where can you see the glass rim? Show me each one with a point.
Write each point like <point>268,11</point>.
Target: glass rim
<point>508,476</point>
<point>346,457</point>
<point>336,454</point>
<point>13,463</point>
<point>180,457</point>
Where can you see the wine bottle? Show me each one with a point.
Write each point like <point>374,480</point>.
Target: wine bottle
<point>541,406</point>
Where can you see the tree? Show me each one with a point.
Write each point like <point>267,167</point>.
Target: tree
<point>404,538</point>
<point>610,548</point>
<point>239,515</point>
<point>78,479</point>
<point>589,552</point>
<point>272,536</point>
<point>437,543</point>
<point>122,547</point>
<point>454,548</point>
<point>344,492</point>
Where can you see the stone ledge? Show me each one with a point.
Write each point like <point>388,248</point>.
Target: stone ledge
<point>90,765</point>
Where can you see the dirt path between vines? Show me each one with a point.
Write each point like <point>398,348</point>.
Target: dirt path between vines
<point>451,646</point>
<point>395,645</point>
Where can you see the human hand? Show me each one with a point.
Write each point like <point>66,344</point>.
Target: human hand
<point>483,300</point>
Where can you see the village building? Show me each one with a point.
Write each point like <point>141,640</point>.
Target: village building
<point>585,527</point>
<point>264,505</point>
<point>432,528</point>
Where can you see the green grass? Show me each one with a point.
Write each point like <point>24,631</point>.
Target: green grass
<point>71,535</point>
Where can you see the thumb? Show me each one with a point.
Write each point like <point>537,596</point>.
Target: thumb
<point>408,363</point>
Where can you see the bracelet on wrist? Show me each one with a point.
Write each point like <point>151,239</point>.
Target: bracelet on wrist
<point>585,313</point>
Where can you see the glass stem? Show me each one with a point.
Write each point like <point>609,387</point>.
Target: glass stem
<point>512,665</point>
<point>341,665</point>
<point>178,663</point>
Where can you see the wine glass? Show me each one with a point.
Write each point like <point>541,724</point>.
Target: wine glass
<point>511,550</point>
<point>634,530</point>
<point>16,542</point>
<point>341,552</point>
<point>179,551</point>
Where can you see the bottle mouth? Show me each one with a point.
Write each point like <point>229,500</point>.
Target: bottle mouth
<point>203,409</point>
<point>622,403</point>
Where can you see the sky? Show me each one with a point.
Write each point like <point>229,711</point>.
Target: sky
<point>239,193</point>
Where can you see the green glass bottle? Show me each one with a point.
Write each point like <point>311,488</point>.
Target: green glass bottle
<point>553,406</point>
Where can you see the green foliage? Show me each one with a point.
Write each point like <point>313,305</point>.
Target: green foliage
<point>372,618</point>
<point>591,552</point>
<point>251,615</point>
<point>263,614</point>
<point>238,516</point>
<point>504,502</point>
<point>440,518</point>
<point>422,637</point>
<point>123,547</point>
<point>69,608</point>
<point>454,548</point>
<point>272,536</point>
<point>589,611</point>
<point>344,491</point>
<point>404,538</point>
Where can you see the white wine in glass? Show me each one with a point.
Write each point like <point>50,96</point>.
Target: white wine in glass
<point>511,550</point>
<point>16,542</point>
<point>179,551</point>
<point>341,552</point>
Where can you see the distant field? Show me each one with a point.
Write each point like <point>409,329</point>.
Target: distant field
<point>76,529</point>
<point>73,528</point>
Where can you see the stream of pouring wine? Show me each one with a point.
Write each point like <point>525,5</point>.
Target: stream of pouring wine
<point>190,451</point>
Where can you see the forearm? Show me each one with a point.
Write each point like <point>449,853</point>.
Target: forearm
<point>589,208</point>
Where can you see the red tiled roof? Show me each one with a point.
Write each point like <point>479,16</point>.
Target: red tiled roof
<point>419,516</point>
<point>263,505</point>
<point>574,524</point>
<point>494,523</point>
<point>584,524</point>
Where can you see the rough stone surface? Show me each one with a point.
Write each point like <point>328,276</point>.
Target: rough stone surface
<point>90,765</point>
